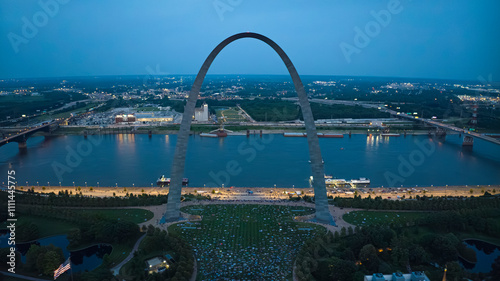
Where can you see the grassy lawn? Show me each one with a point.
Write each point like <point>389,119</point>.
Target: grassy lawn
<point>229,115</point>
<point>246,242</point>
<point>132,215</point>
<point>363,218</point>
<point>46,226</point>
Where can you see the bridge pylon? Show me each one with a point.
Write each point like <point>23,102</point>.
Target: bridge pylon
<point>468,142</point>
<point>441,134</point>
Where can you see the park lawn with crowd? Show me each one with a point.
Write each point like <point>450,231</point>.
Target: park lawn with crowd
<point>246,242</point>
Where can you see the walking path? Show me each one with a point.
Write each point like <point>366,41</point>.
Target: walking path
<point>116,269</point>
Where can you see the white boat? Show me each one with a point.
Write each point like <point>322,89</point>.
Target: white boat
<point>209,135</point>
<point>336,182</point>
<point>360,182</point>
<point>294,134</point>
<point>163,181</point>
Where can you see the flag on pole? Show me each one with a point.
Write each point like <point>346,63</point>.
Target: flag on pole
<point>62,268</point>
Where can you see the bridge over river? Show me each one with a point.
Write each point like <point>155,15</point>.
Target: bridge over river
<point>21,136</point>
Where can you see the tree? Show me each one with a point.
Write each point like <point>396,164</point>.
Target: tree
<point>455,272</point>
<point>495,272</point>
<point>50,261</point>
<point>340,270</point>
<point>350,230</point>
<point>74,236</point>
<point>368,257</point>
<point>44,259</point>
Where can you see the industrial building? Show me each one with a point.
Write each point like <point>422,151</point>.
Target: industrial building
<point>201,114</point>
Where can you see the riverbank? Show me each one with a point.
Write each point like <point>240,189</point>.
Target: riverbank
<point>267,193</point>
<point>236,130</point>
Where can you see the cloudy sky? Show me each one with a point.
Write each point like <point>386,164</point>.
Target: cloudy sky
<point>426,39</point>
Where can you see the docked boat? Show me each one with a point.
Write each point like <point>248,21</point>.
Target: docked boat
<point>294,134</point>
<point>163,181</point>
<point>390,135</point>
<point>322,135</point>
<point>217,133</point>
<point>336,182</point>
<point>361,182</point>
<point>209,135</point>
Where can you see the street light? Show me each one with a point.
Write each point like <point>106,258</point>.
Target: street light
<point>97,184</point>
<point>85,184</point>
<point>59,184</point>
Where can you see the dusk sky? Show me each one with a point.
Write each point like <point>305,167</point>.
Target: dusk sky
<point>422,39</point>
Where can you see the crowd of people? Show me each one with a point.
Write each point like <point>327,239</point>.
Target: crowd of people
<point>246,242</point>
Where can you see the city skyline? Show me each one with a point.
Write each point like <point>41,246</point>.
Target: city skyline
<point>441,40</point>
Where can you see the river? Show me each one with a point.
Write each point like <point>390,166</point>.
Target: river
<point>138,160</point>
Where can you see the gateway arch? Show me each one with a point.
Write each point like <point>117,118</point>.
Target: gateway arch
<point>174,198</point>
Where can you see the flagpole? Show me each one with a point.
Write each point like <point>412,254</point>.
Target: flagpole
<point>70,268</point>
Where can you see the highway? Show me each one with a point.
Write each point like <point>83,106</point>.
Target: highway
<point>382,108</point>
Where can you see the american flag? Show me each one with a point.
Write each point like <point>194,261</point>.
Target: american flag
<point>62,268</point>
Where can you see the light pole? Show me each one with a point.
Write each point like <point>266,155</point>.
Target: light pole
<point>48,184</point>
<point>59,184</point>
<point>74,185</point>
<point>97,184</point>
<point>85,184</point>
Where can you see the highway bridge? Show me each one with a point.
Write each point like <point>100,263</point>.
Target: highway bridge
<point>468,135</point>
<point>22,135</point>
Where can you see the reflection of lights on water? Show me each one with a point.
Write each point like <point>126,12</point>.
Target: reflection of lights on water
<point>167,139</point>
<point>372,140</point>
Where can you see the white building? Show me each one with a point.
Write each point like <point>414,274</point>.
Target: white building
<point>201,114</point>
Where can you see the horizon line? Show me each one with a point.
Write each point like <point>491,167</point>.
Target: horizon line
<point>286,74</point>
